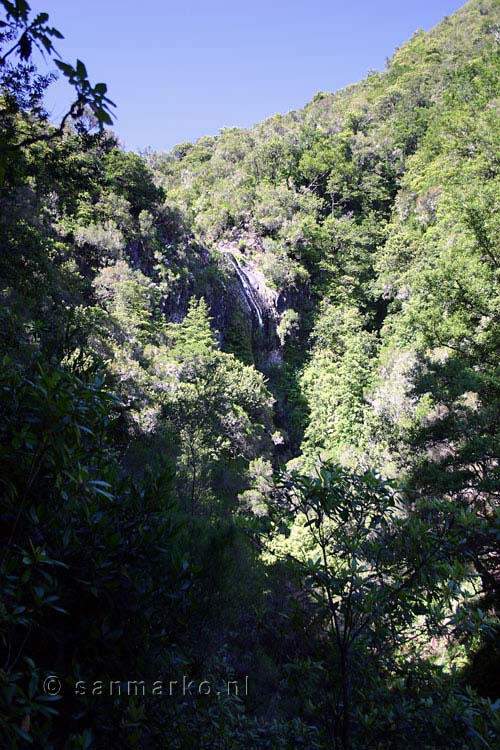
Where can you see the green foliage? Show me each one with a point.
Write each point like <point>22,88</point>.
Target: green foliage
<point>385,579</point>
<point>193,337</point>
<point>128,176</point>
<point>74,536</point>
<point>21,33</point>
<point>146,530</point>
<point>238,337</point>
<point>335,381</point>
<point>288,325</point>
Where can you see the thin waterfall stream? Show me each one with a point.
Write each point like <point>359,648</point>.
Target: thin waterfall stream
<point>250,295</point>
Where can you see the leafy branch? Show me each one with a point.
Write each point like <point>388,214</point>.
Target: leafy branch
<point>27,34</point>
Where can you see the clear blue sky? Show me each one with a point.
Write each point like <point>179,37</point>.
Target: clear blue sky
<point>179,70</point>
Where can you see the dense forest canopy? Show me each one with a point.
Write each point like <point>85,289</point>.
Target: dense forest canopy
<point>250,399</point>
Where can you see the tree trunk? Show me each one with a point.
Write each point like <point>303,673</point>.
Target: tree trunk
<point>345,730</point>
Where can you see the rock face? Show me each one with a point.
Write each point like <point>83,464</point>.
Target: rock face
<point>245,310</point>
<point>258,300</point>
<point>249,289</point>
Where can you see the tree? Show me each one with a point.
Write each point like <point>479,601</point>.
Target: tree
<point>384,578</point>
<point>91,566</point>
<point>194,336</point>
<point>128,175</point>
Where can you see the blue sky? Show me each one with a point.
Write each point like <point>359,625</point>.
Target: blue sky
<point>179,70</point>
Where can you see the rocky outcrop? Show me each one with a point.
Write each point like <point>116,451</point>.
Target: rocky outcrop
<point>258,300</point>
<point>249,289</point>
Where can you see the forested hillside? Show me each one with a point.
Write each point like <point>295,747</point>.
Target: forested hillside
<point>250,398</point>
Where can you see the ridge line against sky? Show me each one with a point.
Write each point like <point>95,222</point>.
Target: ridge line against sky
<point>181,71</point>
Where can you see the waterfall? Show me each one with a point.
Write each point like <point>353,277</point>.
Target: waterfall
<point>248,290</point>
